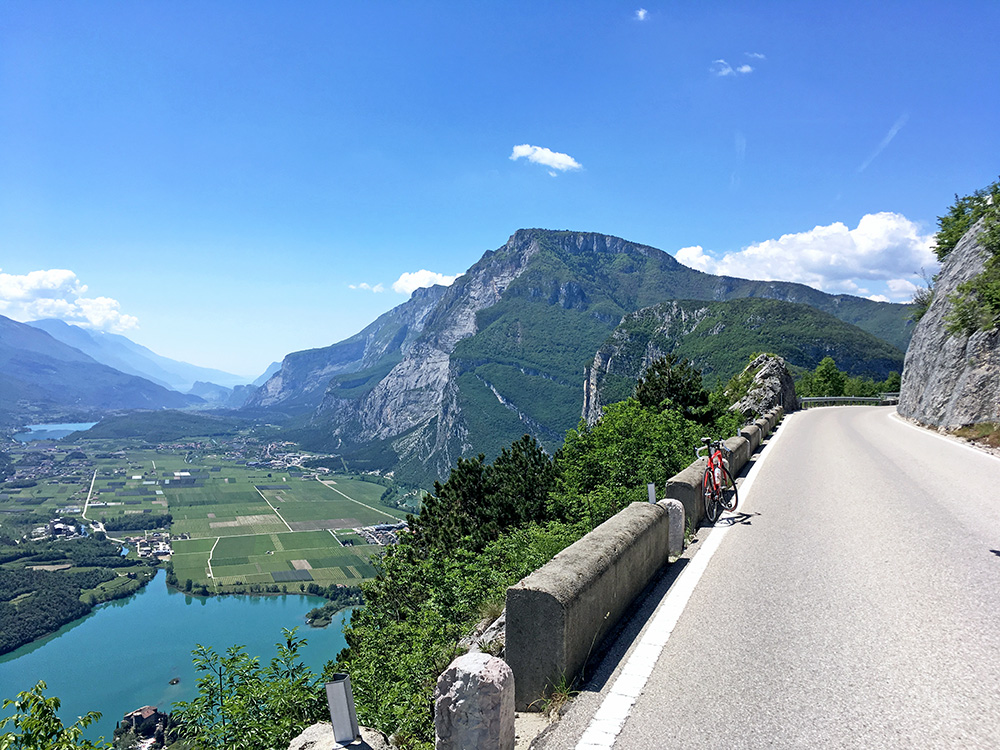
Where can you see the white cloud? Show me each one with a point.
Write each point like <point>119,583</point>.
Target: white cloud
<point>695,257</point>
<point>367,287</point>
<point>539,155</point>
<point>722,68</point>
<point>58,293</point>
<point>886,140</point>
<point>885,250</point>
<point>877,298</point>
<point>640,15</point>
<point>407,282</point>
<point>902,287</point>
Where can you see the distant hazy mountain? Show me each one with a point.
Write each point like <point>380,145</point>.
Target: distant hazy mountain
<point>501,352</point>
<point>41,376</point>
<point>220,396</point>
<point>124,354</point>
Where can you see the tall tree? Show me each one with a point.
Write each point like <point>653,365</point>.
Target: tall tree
<point>673,383</point>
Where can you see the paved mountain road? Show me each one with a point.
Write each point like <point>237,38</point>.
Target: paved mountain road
<point>854,601</point>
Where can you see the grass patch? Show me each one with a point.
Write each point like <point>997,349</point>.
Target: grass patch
<point>986,433</point>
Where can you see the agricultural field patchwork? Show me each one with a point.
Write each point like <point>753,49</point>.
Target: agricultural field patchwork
<point>230,522</point>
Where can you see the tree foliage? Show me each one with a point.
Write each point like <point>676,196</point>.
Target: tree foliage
<point>37,725</point>
<point>962,214</point>
<point>480,500</point>
<point>243,706</point>
<point>673,383</point>
<point>828,380</point>
<point>975,304</point>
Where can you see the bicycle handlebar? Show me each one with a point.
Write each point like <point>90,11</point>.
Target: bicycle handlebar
<point>709,444</point>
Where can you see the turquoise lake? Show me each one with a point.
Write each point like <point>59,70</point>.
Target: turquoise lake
<point>51,431</point>
<point>123,655</point>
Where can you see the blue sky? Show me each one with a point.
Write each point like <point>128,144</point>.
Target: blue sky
<point>229,182</point>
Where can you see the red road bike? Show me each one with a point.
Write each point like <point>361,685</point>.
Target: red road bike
<point>717,486</point>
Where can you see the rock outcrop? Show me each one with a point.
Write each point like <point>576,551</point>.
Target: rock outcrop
<point>771,386</point>
<point>321,737</point>
<point>952,380</point>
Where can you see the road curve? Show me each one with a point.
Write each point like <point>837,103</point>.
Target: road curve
<point>854,602</point>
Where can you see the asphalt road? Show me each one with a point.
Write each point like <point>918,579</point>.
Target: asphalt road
<point>852,601</point>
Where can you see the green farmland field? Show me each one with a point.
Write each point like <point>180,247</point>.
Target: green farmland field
<point>288,558</point>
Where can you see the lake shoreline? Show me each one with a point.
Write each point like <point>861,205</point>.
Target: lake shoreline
<point>156,630</point>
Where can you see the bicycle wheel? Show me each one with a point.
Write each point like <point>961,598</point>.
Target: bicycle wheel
<point>711,496</point>
<point>727,492</point>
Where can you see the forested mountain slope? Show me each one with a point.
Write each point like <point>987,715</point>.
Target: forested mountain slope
<point>470,367</point>
<point>720,337</point>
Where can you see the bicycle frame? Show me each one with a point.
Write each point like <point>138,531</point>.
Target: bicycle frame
<point>718,488</point>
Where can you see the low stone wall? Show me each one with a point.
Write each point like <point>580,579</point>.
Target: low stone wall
<point>557,616</point>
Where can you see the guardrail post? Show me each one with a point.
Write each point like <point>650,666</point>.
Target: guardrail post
<point>675,527</point>
<point>474,704</point>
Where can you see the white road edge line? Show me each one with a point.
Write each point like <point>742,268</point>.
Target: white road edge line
<point>617,704</point>
<point>953,441</point>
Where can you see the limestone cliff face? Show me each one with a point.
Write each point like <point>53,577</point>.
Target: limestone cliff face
<point>952,380</point>
<point>301,382</point>
<point>415,405</point>
<point>625,355</point>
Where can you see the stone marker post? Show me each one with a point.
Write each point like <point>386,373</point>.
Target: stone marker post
<point>474,705</point>
<point>675,528</point>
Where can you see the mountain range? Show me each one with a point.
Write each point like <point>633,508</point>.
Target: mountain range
<point>503,351</point>
<point>43,378</point>
<point>123,354</point>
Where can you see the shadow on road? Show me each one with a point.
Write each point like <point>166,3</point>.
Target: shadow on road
<point>741,518</point>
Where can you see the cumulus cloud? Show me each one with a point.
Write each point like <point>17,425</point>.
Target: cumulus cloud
<point>546,157</point>
<point>367,287</point>
<point>755,55</point>
<point>640,15</point>
<point>886,140</point>
<point>407,282</point>
<point>885,249</point>
<point>58,293</point>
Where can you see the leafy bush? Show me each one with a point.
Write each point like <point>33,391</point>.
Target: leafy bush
<point>37,724</point>
<point>243,705</point>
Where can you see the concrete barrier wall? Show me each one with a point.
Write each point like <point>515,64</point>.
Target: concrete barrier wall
<point>557,616</point>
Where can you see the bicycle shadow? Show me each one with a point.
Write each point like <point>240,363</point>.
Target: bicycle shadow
<point>741,518</point>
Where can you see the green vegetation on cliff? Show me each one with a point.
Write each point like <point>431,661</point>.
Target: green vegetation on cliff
<point>975,304</point>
